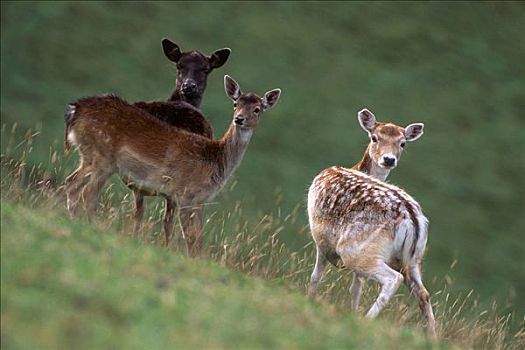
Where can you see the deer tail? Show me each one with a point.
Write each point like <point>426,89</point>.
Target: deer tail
<point>70,117</point>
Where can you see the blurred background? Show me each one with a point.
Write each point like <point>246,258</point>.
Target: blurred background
<point>457,67</point>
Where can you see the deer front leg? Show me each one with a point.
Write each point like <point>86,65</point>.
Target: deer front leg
<point>191,220</point>
<point>355,290</point>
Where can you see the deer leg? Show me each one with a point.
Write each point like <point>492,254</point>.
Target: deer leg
<point>74,185</point>
<point>317,273</point>
<point>390,281</point>
<point>192,229</point>
<point>355,290</point>
<point>138,210</point>
<point>91,191</point>
<point>168,219</point>
<point>70,185</point>
<point>415,285</point>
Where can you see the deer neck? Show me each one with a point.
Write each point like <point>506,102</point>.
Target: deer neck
<point>368,166</point>
<point>234,144</point>
<point>177,96</point>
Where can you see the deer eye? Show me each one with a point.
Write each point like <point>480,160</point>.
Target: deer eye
<point>374,139</point>
<point>235,105</point>
<point>402,144</point>
<point>257,110</point>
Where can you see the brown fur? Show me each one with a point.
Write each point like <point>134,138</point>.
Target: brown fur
<point>179,114</point>
<point>180,110</point>
<point>156,158</point>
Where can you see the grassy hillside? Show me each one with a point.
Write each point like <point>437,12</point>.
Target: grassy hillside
<point>457,67</point>
<point>72,285</point>
<point>98,285</point>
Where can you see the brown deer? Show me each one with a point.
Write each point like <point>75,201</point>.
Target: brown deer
<point>181,109</point>
<point>114,136</point>
<point>375,229</point>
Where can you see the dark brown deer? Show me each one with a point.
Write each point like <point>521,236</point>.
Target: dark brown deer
<point>181,109</point>
<point>193,69</point>
<point>114,136</point>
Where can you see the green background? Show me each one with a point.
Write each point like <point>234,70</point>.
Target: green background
<point>457,67</point>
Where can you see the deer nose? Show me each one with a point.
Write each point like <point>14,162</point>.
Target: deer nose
<point>239,120</point>
<point>189,86</point>
<point>389,161</point>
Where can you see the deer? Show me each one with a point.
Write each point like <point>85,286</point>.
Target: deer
<point>387,142</point>
<point>181,110</point>
<point>375,229</point>
<point>113,136</point>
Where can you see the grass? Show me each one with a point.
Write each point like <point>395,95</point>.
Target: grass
<point>69,284</point>
<point>457,67</point>
<point>88,285</point>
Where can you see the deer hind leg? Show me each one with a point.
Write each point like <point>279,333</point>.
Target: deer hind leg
<point>415,284</point>
<point>356,289</point>
<point>74,184</point>
<point>318,273</point>
<point>169,214</point>
<point>390,281</point>
<point>138,209</point>
<point>101,171</point>
<point>191,220</point>
<point>92,191</point>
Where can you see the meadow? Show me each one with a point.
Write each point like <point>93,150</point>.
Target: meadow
<point>455,67</point>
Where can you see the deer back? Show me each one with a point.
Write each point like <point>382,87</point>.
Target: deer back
<point>358,206</point>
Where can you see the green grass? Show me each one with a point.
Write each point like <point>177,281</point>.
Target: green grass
<point>457,67</point>
<point>60,276</point>
<point>70,284</point>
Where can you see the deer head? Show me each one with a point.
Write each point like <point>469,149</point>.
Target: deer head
<point>387,140</point>
<point>248,107</point>
<point>193,69</point>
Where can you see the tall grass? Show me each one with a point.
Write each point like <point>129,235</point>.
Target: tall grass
<point>255,247</point>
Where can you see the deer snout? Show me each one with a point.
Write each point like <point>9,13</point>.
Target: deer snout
<point>189,87</point>
<point>389,160</point>
<point>239,120</point>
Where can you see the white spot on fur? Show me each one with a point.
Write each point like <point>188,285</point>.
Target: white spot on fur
<point>246,135</point>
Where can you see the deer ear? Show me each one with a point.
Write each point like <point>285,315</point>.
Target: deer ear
<point>219,58</point>
<point>171,50</point>
<point>232,88</point>
<point>270,98</point>
<point>367,119</point>
<point>414,131</point>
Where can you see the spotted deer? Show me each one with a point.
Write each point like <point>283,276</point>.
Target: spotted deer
<point>187,169</point>
<point>375,229</point>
